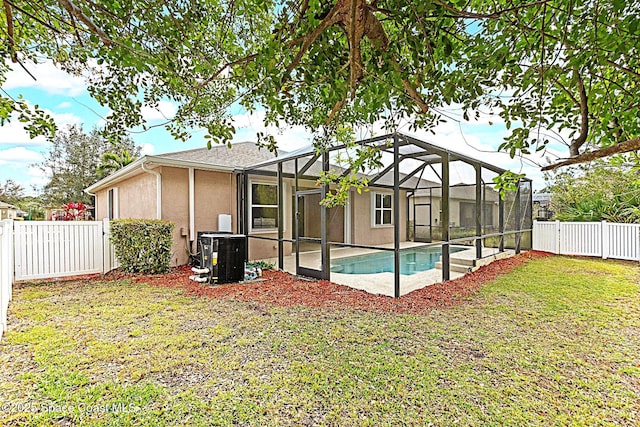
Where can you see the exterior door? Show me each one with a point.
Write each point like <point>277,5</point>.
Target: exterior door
<point>422,222</point>
<point>310,248</point>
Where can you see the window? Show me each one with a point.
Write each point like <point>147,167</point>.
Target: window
<point>382,209</point>
<point>112,203</point>
<point>264,206</point>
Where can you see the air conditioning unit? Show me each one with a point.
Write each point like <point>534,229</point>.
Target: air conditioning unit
<point>222,258</point>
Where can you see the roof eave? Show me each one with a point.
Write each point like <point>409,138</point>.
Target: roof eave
<point>118,175</point>
<point>134,168</point>
<point>163,161</point>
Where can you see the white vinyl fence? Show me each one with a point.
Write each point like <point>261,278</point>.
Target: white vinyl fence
<point>598,239</point>
<point>47,249</point>
<point>6,270</point>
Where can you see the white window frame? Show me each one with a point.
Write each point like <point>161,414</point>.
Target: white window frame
<point>113,205</point>
<point>251,206</point>
<point>381,209</point>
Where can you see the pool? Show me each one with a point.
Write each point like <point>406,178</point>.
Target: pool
<point>412,261</point>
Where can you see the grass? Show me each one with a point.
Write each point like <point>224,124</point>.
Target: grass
<point>557,342</point>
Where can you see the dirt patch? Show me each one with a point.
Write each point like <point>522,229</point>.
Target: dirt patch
<point>286,290</point>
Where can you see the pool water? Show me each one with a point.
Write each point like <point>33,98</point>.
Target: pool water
<point>412,261</point>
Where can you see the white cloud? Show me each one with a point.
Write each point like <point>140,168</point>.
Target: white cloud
<point>147,149</point>
<point>64,119</point>
<point>19,155</point>
<point>63,105</point>
<point>289,137</point>
<point>38,177</point>
<point>49,78</point>
<point>14,133</point>
<point>164,111</point>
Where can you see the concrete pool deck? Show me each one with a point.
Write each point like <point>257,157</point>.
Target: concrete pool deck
<point>383,283</point>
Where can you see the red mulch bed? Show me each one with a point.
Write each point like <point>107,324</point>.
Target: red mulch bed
<point>285,290</point>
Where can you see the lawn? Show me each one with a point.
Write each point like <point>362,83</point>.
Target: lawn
<point>554,342</point>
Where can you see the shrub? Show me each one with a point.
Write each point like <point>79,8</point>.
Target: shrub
<point>142,245</point>
<point>262,264</point>
<point>73,212</point>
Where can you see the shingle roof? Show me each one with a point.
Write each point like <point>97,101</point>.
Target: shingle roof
<point>238,155</point>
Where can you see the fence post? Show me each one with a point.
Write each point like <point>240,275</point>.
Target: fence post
<point>534,243</point>
<point>605,239</point>
<point>6,270</point>
<point>106,245</point>
<point>3,275</point>
<point>3,281</point>
<point>558,238</point>
<point>638,245</point>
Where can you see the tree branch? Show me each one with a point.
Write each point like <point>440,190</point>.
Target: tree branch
<point>10,41</point>
<point>354,49</point>
<point>493,15</point>
<point>410,90</point>
<point>329,20</point>
<point>77,13</point>
<point>623,147</point>
<point>32,16</point>
<point>567,91</point>
<point>248,58</point>
<point>584,118</point>
<point>335,110</point>
<point>570,46</point>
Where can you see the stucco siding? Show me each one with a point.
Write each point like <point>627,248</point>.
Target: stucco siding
<point>215,193</point>
<point>175,208</point>
<point>136,198</point>
<point>362,229</point>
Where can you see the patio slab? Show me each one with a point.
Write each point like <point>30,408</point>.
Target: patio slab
<point>383,283</point>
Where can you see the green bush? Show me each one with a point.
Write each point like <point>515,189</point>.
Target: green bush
<point>142,245</point>
<point>262,264</point>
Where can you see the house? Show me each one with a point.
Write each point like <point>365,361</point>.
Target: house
<point>275,201</point>
<point>8,211</point>
<point>191,188</point>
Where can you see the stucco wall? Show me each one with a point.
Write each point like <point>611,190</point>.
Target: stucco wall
<point>215,193</point>
<point>136,198</point>
<point>362,230</point>
<point>175,208</point>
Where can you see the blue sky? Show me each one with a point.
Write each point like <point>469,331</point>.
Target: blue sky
<point>65,97</point>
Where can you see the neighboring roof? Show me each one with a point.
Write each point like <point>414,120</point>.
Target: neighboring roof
<point>218,158</point>
<point>4,205</point>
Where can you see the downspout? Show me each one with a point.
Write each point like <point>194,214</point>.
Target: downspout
<point>158,189</point>
<point>192,207</point>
